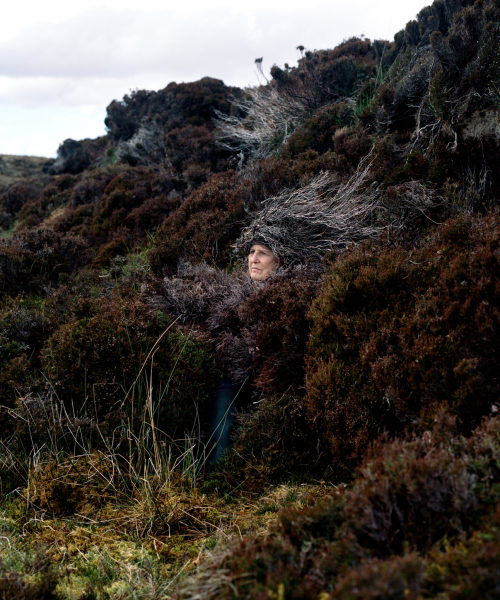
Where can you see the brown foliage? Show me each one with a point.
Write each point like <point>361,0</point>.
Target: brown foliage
<point>203,227</point>
<point>260,329</point>
<point>372,539</point>
<point>95,362</point>
<point>34,259</point>
<point>277,313</point>
<point>395,336</point>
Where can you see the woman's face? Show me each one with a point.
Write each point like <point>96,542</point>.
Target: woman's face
<point>261,262</point>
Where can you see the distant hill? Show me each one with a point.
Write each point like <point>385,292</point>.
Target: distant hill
<point>13,168</point>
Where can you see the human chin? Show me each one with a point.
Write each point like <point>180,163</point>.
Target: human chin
<point>257,274</point>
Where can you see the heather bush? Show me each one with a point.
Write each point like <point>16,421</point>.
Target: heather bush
<point>330,75</point>
<point>395,578</point>
<point>336,74</point>
<point>33,260</point>
<point>317,132</point>
<point>89,361</point>
<point>262,119</point>
<point>125,193</point>
<point>53,197</point>
<point>268,119</point>
<point>105,364</point>
<point>203,227</point>
<point>200,294</point>
<point>23,329</point>
<point>193,149</point>
<point>277,316</point>
<point>76,156</point>
<point>395,336</point>
<point>470,569</point>
<point>273,441</point>
<point>107,252</point>
<point>175,106</point>
<point>268,177</point>
<point>381,537</point>
<point>14,196</point>
<point>441,92</point>
<point>89,188</point>
<point>260,330</point>
<point>109,203</point>
<point>414,494</point>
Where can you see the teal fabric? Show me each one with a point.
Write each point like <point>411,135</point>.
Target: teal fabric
<point>223,417</point>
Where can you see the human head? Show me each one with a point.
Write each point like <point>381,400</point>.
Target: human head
<point>261,262</point>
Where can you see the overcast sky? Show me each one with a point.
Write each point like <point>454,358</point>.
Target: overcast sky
<point>63,61</point>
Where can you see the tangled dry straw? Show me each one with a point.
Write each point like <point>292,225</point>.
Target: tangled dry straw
<point>269,118</point>
<point>323,215</point>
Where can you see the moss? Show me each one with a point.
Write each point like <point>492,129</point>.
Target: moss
<point>381,536</point>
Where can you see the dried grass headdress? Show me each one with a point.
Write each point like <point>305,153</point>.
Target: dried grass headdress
<point>305,224</point>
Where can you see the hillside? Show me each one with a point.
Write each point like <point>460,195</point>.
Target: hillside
<point>365,441</point>
<point>13,168</point>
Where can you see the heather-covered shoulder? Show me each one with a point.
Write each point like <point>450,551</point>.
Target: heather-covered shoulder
<point>198,292</point>
<point>260,328</point>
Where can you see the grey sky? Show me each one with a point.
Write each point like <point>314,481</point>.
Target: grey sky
<point>62,63</point>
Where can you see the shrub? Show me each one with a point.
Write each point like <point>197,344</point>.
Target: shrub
<point>203,227</point>
<point>268,119</point>
<point>262,120</point>
<point>16,195</point>
<point>100,366</point>
<point>76,156</point>
<point>192,148</point>
<point>394,337</point>
<point>175,106</point>
<point>417,493</point>
<point>33,260</point>
<point>127,191</point>
<point>395,578</point>
<point>277,316</point>
<point>440,94</point>
<point>317,132</point>
<point>23,329</point>
<point>381,536</point>
<point>260,330</point>
<point>469,569</point>
<point>110,203</point>
<point>273,441</point>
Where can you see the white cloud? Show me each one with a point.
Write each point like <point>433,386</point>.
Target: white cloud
<point>59,54</point>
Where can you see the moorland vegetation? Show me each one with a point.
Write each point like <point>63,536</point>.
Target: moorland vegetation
<point>365,454</point>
